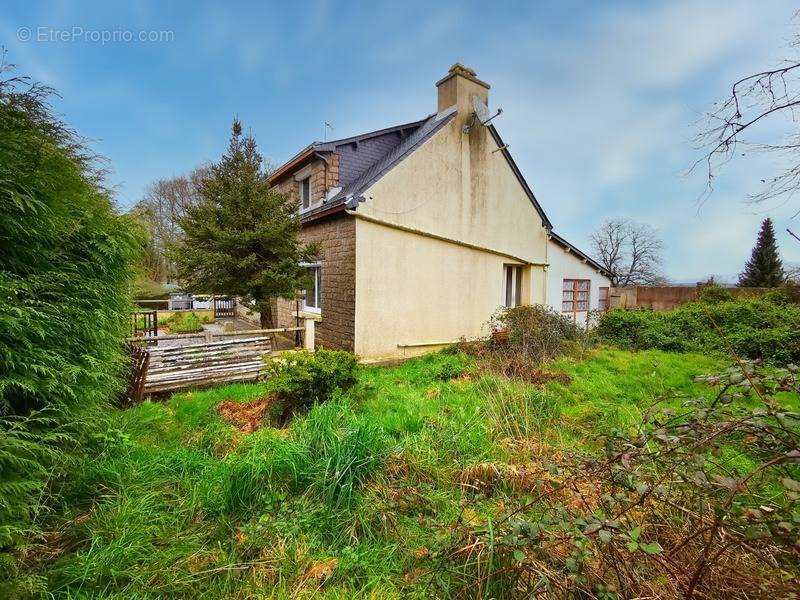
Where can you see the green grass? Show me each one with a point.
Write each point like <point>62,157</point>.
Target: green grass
<point>180,504</point>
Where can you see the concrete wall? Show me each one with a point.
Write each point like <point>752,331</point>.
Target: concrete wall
<point>667,297</point>
<point>415,293</point>
<point>567,265</point>
<point>432,238</point>
<point>455,186</point>
<point>248,314</point>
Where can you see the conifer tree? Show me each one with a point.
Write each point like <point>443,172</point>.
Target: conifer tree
<point>241,237</point>
<point>764,269</point>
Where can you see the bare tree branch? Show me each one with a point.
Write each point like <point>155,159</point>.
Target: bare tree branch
<point>755,99</point>
<point>164,204</point>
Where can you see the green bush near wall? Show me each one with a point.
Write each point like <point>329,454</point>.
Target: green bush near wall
<point>767,327</point>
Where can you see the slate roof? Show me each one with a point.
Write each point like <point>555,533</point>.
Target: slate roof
<point>354,186</point>
<point>359,152</point>
<point>365,158</point>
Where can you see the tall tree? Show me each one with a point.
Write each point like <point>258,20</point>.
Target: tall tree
<point>241,237</point>
<point>764,269</point>
<point>630,251</point>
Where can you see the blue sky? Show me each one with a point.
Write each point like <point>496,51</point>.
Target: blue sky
<point>601,100</point>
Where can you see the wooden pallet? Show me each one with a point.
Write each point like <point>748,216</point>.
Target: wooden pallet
<point>199,365</point>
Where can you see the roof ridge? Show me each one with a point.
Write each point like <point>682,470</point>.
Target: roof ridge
<point>398,153</point>
<point>350,194</point>
<point>369,134</point>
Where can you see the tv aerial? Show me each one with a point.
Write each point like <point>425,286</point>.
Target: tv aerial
<point>480,113</point>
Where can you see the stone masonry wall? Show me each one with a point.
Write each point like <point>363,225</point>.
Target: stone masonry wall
<point>323,178</point>
<point>336,238</point>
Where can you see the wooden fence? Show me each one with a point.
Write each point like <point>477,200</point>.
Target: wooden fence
<point>145,321</point>
<point>170,368</point>
<point>140,358</point>
<point>196,365</point>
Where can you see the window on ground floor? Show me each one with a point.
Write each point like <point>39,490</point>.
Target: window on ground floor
<point>575,296</point>
<point>603,303</point>
<point>512,277</point>
<point>313,294</point>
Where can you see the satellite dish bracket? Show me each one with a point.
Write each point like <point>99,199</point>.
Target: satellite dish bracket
<point>480,113</point>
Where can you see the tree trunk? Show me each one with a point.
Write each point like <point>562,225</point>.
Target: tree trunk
<point>265,309</point>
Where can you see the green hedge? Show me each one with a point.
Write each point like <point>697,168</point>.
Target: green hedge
<point>766,327</point>
<point>65,282</point>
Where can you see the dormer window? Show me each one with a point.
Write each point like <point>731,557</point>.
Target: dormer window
<point>305,193</point>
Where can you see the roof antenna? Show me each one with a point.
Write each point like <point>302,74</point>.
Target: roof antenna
<point>325,131</point>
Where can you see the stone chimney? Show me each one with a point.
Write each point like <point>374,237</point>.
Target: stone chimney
<point>458,87</point>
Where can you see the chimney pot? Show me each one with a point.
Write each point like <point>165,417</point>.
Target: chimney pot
<point>458,87</point>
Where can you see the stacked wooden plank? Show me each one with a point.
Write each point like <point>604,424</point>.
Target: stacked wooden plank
<point>137,372</point>
<point>197,365</point>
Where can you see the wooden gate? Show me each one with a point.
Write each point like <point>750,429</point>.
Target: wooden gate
<point>224,307</point>
<point>144,322</point>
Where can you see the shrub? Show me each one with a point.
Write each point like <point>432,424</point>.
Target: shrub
<point>792,291</point>
<point>65,282</point>
<point>672,507</point>
<point>302,379</point>
<point>765,327</point>
<point>536,332</point>
<point>144,289</point>
<point>714,293</point>
<point>449,366</point>
<point>185,323</point>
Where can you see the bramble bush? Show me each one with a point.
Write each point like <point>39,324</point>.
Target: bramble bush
<point>701,499</point>
<point>536,333</point>
<point>299,380</point>
<point>766,327</point>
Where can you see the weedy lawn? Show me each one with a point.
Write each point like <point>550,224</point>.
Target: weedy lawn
<point>356,499</point>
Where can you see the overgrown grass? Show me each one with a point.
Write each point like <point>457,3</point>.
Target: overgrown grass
<point>356,499</point>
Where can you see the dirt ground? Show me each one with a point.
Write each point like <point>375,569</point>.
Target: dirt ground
<point>247,416</point>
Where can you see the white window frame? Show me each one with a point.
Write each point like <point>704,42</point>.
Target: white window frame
<point>300,177</point>
<point>317,267</point>
<point>512,286</point>
<point>305,184</point>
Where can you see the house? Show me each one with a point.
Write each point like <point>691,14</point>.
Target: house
<point>425,229</point>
